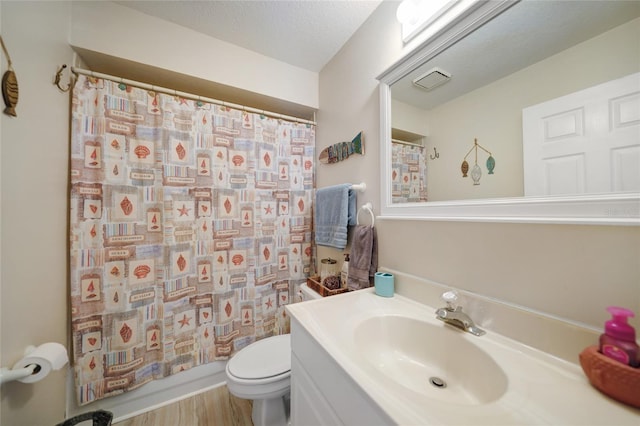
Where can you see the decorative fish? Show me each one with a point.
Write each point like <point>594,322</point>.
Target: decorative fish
<point>10,92</point>
<point>491,164</point>
<point>342,150</point>
<point>9,86</point>
<point>465,168</point>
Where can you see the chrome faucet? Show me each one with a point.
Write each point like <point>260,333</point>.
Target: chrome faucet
<point>452,314</point>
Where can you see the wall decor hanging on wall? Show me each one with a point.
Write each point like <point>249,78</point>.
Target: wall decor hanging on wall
<point>342,150</point>
<point>476,171</point>
<point>9,85</point>
<point>190,230</point>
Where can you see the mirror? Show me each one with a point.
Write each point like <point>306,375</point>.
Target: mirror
<point>507,62</point>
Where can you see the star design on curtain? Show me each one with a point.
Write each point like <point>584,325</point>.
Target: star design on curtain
<point>184,321</point>
<point>184,211</point>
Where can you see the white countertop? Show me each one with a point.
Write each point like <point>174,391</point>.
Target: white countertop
<point>541,389</point>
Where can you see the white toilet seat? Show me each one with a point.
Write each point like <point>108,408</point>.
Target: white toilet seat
<point>263,361</point>
<point>261,370</point>
<point>257,382</point>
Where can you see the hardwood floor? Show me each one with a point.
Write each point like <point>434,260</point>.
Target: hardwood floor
<point>216,407</point>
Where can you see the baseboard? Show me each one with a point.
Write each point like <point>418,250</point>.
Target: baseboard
<point>152,395</point>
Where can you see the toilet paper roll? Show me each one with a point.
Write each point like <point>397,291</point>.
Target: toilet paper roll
<point>48,356</point>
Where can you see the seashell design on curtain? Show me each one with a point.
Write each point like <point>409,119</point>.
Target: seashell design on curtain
<point>190,230</point>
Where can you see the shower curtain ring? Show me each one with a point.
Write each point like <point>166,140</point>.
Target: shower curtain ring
<point>58,76</point>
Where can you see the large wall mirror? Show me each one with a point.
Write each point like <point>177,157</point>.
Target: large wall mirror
<point>518,111</point>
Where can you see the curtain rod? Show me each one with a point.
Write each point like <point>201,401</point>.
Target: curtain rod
<point>407,143</point>
<point>191,96</point>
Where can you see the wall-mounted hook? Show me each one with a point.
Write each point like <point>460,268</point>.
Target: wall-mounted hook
<point>437,154</point>
<point>57,79</point>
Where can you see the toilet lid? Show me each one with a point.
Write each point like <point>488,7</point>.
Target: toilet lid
<point>265,358</point>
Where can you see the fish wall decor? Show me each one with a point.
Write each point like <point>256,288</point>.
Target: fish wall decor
<point>9,86</point>
<point>342,150</point>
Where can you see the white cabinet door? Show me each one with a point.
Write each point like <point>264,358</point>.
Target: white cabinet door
<point>587,142</point>
<point>308,406</point>
<point>322,393</point>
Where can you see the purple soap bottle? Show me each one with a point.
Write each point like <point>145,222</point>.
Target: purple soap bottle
<point>619,339</point>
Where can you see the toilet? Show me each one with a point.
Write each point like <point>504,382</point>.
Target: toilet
<point>262,372</point>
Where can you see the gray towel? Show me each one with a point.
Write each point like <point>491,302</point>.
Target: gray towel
<point>363,258</point>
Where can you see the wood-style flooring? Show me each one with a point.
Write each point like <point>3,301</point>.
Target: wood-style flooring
<point>216,407</point>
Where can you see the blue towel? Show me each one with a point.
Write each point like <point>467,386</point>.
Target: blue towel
<point>335,211</point>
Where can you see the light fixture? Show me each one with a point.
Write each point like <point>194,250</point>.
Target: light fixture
<point>417,15</point>
<point>407,12</point>
<point>410,11</point>
<point>433,78</point>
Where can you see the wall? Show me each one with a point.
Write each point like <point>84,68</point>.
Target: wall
<point>34,206</point>
<point>349,99</point>
<point>493,113</point>
<point>34,164</point>
<point>568,271</point>
<point>126,37</point>
<point>409,118</point>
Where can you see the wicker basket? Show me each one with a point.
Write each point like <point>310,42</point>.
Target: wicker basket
<point>314,284</point>
<point>619,381</point>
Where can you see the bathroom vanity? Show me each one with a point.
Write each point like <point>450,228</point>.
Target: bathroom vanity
<point>364,359</point>
<point>322,392</point>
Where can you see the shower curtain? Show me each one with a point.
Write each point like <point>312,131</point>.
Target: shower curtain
<point>190,230</point>
<point>408,173</point>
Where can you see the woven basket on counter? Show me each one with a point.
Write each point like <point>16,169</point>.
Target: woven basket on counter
<point>615,379</point>
<point>314,284</point>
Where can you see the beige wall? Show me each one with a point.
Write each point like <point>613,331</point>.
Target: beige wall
<point>569,271</point>
<point>493,113</point>
<point>34,206</point>
<point>34,163</point>
<point>99,27</point>
<point>409,118</point>
<point>350,103</point>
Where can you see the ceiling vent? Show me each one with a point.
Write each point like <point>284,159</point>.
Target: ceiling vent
<point>433,78</point>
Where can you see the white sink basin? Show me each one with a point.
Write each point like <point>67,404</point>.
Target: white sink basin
<point>430,360</point>
<point>391,347</point>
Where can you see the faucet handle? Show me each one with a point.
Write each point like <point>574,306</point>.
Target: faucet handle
<point>451,299</point>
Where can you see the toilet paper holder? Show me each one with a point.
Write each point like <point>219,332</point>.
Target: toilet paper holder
<point>9,375</point>
<point>23,373</point>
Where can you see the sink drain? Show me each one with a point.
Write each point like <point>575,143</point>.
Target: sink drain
<point>438,382</point>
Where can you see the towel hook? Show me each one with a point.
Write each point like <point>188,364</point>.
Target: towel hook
<point>436,152</point>
<point>369,208</point>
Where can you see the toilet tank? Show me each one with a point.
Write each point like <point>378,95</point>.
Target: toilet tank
<point>308,294</point>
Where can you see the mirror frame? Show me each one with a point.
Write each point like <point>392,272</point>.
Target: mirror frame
<point>597,209</point>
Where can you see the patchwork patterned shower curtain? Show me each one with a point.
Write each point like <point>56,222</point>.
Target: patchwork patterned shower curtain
<point>190,230</point>
<point>408,173</point>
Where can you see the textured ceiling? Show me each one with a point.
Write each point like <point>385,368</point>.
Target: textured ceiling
<point>304,33</point>
<point>523,35</point>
